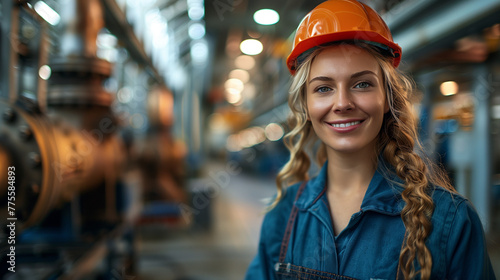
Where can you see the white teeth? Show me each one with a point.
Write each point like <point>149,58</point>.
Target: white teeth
<point>345,124</point>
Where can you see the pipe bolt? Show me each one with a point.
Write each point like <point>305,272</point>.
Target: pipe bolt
<point>9,115</point>
<point>26,133</point>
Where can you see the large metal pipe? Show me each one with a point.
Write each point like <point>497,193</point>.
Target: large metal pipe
<point>73,146</point>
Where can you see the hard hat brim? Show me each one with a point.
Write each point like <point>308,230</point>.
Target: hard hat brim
<point>352,36</point>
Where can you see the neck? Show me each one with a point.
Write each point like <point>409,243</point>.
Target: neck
<point>349,172</point>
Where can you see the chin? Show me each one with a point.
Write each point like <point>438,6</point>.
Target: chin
<point>364,149</point>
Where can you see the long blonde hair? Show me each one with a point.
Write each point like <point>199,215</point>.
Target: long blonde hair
<point>397,144</point>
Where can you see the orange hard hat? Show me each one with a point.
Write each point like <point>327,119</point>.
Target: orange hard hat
<point>342,20</point>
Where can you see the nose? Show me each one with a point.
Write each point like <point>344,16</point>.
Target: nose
<point>343,101</point>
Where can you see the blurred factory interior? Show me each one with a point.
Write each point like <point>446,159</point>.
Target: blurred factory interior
<point>144,136</point>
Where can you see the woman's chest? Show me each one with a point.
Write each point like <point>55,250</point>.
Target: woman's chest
<point>368,248</point>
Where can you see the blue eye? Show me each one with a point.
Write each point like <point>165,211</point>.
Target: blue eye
<point>323,89</point>
<point>363,85</point>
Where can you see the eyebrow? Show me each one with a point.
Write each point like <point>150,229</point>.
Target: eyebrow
<point>355,75</point>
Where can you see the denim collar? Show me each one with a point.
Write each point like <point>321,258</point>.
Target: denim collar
<point>382,195</point>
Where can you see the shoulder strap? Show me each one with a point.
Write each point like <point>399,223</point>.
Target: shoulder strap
<point>289,226</point>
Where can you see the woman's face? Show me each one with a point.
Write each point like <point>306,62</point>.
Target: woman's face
<point>346,99</point>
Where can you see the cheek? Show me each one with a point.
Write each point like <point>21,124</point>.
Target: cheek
<point>374,107</point>
<point>316,108</point>
<point>377,104</point>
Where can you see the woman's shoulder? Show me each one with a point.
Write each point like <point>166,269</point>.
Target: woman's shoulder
<point>278,216</point>
<point>457,238</point>
<point>446,198</point>
<point>452,207</point>
<point>285,205</point>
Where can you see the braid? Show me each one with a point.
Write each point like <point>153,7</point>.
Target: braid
<point>397,141</point>
<point>417,212</point>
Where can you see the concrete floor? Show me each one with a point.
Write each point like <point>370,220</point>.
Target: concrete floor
<point>220,252</point>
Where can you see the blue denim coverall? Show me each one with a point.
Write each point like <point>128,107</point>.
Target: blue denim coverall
<point>297,239</point>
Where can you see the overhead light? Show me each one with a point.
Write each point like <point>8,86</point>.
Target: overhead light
<point>196,9</point>
<point>106,40</point>
<point>449,88</point>
<point>234,87</point>
<point>239,74</point>
<point>251,47</point>
<point>44,72</point>
<point>196,12</point>
<point>196,31</point>
<point>235,84</point>
<point>252,136</point>
<point>233,96</point>
<point>266,17</point>
<point>110,55</point>
<point>47,13</point>
<point>259,133</point>
<point>199,52</point>
<point>157,28</point>
<point>274,131</point>
<point>125,95</point>
<point>244,62</point>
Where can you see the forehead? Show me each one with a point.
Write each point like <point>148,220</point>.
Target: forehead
<point>339,60</point>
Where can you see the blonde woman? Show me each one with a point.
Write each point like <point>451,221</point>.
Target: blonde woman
<point>376,210</point>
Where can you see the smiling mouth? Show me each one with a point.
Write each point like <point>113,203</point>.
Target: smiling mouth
<point>344,124</point>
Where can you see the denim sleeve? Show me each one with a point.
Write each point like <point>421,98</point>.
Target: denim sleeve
<point>259,268</point>
<point>262,266</point>
<point>271,236</point>
<point>467,254</point>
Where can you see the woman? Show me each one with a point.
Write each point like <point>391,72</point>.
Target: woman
<point>376,210</point>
